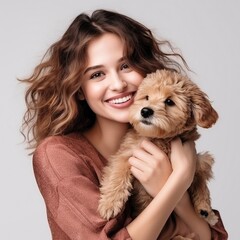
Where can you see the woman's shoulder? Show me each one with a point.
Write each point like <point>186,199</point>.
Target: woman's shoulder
<point>73,142</point>
<point>66,155</point>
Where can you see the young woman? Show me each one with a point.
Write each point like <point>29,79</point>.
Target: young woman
<point>77,112</point>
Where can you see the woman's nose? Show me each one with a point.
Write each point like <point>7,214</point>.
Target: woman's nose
<point>117,83</point>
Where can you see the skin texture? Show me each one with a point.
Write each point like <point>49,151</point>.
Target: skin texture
<point>108,77</point>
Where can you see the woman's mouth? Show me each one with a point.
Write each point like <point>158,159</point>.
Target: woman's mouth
<point>121,101</point>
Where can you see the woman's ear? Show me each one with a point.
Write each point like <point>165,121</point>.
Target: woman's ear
<point>81,95</point>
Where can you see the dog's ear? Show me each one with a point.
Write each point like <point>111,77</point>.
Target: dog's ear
<point>203,112</point>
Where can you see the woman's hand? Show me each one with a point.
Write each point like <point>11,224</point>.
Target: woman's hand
<point>150,166</point>
<point>183,159</point>
<point>167,180</point>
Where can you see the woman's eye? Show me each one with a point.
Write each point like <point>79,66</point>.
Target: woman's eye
<point>96,75</point>
<point>124,66</point>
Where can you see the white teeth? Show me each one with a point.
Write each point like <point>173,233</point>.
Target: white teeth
<point>120,100</point>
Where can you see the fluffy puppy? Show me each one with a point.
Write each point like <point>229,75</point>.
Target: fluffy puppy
<point>166,105</point>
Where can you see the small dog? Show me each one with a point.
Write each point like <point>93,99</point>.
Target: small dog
<point>166,105</point>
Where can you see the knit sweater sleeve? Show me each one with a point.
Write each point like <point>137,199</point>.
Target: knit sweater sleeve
<point>70,188</point>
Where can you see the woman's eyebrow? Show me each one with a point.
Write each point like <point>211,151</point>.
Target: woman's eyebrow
<point>100,66</point>
<point>92,68</point>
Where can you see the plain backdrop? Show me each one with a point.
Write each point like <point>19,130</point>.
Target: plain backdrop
<point>208,34</point>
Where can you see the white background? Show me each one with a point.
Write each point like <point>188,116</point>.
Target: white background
<point>208,34</point>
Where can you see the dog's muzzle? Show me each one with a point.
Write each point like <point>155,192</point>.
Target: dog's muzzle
<point>147,112</point>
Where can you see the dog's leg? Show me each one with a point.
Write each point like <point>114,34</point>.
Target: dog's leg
<point>115,186</point>
<point>199,191</point>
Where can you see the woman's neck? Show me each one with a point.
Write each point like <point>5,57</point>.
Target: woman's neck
<point>106,136</point>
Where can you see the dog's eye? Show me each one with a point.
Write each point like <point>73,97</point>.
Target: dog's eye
<point>169,102</point>
<point>147,97</point>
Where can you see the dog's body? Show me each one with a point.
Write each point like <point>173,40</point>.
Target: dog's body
<point>166,105</point>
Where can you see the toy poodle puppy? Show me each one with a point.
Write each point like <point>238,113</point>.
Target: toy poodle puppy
<point>166,105</point>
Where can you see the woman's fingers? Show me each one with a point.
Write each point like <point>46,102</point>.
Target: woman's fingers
<point>150,166</point>
<point>149,150</point>
<point>141,154</point>
<point>183,158</point>
<point>138,164</point>
<point>152,149</point>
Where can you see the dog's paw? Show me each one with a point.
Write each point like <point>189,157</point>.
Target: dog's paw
<point>212,218</point>
<point>114,193</point>
<point>209,216</point>
<point>109,209</point>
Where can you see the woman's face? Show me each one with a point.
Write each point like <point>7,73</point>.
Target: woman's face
<point>109,83</point>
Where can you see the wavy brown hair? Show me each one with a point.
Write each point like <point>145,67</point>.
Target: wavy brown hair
<point>53,104</point>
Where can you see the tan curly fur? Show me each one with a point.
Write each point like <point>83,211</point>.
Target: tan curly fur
<point>177,106</point>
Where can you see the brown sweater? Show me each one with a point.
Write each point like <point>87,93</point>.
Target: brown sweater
<point>68,170</point>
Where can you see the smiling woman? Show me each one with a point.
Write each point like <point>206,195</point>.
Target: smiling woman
<point>66,63</point>
<point>109,83</point>
<point>78,101</point>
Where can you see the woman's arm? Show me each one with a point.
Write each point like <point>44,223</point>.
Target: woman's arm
<point>154,217</point>
<point>186,212</point>
<point>183,163</point>
<point>70,188</point>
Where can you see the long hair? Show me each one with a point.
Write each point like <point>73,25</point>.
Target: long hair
<point>53,104</point>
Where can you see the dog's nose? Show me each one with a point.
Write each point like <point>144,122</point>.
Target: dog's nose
<point>147,112</point>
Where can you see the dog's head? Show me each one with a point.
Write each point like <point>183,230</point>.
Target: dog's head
<point>167,104</point>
